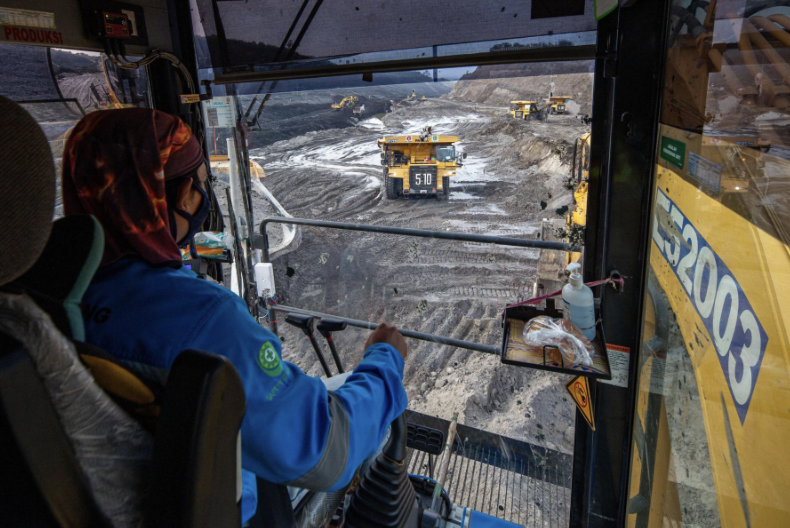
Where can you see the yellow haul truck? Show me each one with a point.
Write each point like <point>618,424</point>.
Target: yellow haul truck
<point>525,109</point>
<point>419,164</point>
<point>557,104</point>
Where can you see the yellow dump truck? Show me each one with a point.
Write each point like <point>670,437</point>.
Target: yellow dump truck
<point>557,104</point>
<point>525,109</point>
<point>419,164</point>
<point>347,102</point>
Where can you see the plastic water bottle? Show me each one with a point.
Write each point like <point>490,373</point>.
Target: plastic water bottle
<point>578,303</point>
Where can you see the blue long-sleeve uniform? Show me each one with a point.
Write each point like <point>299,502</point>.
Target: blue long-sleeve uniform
<point>294,430</point>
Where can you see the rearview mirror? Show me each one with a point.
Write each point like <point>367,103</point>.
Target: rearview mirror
<point>464,155</point>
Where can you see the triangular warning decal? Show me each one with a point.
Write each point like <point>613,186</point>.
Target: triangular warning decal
<point>579,387</point>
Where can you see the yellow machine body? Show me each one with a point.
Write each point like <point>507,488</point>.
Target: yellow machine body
<point>557,104</point>
<point>726,279</point>
<point>551,275</point>
<point>423,164</point>
<point>347,102</point>
<point>524,109</point>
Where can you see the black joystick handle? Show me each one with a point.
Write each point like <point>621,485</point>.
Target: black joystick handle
<point>395,449</point>
<point>385,498</point>
<point>306,323</point>
<point>326,327</point>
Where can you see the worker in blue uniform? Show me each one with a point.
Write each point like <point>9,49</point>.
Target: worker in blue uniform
<point>142,174</point>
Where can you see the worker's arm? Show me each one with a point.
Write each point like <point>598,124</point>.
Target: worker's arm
<point>294,430</point>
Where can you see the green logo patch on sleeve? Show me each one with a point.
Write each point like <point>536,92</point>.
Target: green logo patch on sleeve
<point>269,361</point>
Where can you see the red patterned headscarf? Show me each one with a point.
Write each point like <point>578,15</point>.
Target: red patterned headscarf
<point>115,164</point>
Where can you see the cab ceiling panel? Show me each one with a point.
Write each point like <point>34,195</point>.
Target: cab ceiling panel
<point>61,23</point>
<point>258,32</point>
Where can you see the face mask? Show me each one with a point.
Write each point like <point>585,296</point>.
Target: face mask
<point>195,220</point>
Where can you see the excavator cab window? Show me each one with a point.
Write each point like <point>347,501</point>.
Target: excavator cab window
<point>59,86</point>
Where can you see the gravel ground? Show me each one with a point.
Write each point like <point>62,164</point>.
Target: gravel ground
<point>450,288</point>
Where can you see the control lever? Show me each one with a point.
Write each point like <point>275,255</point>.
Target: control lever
<point>326,327</point>
<point>385,498</point>
<point>306,323</point>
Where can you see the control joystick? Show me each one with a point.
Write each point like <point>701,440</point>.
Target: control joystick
<point>385,497</point>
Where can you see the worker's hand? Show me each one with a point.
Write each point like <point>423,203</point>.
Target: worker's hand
<point>386,333</point>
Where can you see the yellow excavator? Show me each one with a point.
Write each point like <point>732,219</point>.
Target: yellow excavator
<point>347,102</point>
<point>552,263</point>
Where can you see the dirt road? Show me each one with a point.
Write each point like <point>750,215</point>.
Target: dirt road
<point>513,176</point>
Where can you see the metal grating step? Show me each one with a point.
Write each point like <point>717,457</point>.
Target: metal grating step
<point>505,478</point>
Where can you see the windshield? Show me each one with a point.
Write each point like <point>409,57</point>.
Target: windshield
<point>321,163</point>
<point>445,153</point>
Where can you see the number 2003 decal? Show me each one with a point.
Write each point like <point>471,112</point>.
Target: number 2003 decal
<point>737,334</point>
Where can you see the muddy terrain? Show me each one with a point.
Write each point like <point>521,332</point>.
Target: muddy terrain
<point>514,175</point>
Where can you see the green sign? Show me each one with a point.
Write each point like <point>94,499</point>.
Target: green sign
<point>673,151</point>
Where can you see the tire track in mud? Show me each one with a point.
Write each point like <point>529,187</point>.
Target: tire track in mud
<point>455,289</point>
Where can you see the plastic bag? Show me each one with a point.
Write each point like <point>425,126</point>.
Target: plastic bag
<point>210,245</point>
<point>113,450</point>
<point>546,331</point>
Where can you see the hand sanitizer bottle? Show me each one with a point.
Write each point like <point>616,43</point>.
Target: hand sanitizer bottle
<point>578,303</point>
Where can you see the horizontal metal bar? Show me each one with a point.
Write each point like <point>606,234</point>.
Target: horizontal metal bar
<point>442,340</point>
<point>32,101</point>
<point>422,233</point>
<point>553,54</point>
<point>64,100</point>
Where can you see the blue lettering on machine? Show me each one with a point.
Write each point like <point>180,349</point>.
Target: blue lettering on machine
<point>736,333</point>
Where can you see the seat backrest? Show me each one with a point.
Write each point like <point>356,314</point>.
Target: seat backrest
<point>36,455</point>
<point>61,275</point>
<point>42,484</point>
<point>27,190</point>
<point>107,449</point>
<point>197,454</point>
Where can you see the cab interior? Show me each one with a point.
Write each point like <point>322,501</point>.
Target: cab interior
<point>236,72</point>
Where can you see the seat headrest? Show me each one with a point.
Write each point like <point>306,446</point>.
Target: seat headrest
<point>27,190</point>
<point>61,275</point>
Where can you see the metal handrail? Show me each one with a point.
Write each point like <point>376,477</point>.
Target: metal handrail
<point>422,336</point>
<point>420,233</point>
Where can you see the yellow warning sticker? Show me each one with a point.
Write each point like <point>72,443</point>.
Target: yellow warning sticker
<point>190,98</point>
<point>579,388</point>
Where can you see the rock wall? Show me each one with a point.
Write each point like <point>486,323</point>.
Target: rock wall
<point>500,84</point>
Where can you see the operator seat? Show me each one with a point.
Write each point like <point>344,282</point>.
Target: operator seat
<point>70,455</point>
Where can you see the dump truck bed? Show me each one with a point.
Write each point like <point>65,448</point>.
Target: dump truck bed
<point>415,138</point>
